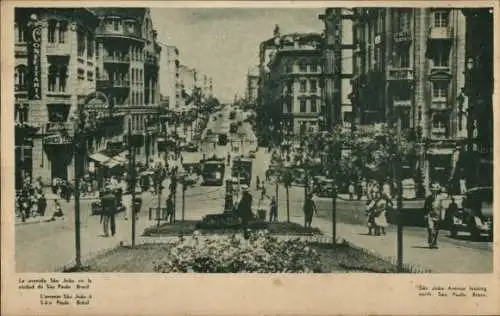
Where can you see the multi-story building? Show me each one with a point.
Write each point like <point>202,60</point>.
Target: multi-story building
<point>477,100</point>
<point>409,71</point>
<point>252,85</point>
<point>188,80</point>
<point>55,75</point>
<point>338,50</point>
<point>295,73</point>
<point>127,70</point>
<point>169,76</point>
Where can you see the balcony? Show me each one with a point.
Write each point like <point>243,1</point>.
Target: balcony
<point>120,83</point>
<point>402,37</point>
<point>438,132</point>
<point>21,49</point>
<point>58,49</point>
<point>397,73</point>
<point>59,127</point>
<point>117,59</point>
<point>402,103</point>
<point>20,88</point>
<point>441,33</point>
<point>439,104</point>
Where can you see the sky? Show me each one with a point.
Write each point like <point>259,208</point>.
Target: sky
<point>223,43</point>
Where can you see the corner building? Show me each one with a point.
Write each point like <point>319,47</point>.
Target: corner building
<point>128,72</point>
<point>295,73</point>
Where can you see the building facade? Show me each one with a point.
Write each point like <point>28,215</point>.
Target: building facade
<point>127,68</point>
<point>252,86</point>
<point>409,68</point>
<point>188,80</point>
<point>338,59</point>
<point>295,72</point>
<point>169,76</point>
<point>55,73</point>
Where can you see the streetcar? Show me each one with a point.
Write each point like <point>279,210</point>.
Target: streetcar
<point>212,172</point>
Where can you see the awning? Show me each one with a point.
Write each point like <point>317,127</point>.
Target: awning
<point>112,163</point>
<point>99,157</point>
<point>121,157</point>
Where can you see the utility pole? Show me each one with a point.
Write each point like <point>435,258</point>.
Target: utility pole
<point>183,198</point>
<point>131,153</point>
<point>78,152</point>
<point>399,202</point>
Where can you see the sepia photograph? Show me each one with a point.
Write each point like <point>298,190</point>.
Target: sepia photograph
<point>253,140</point>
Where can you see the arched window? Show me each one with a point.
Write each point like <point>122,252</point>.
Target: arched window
<point>21,32</point>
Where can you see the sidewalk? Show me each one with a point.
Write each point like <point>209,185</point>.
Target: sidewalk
<point>449,258</point>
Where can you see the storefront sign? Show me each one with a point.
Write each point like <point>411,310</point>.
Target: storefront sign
<point>34,63</point>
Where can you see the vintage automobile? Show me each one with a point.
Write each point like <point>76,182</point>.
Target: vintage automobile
<point>191,147</point>
<point>316,183</point>
<point>299,177</point>
<point>475,216</point>
<point>190,179</point>
<point>325,188</point>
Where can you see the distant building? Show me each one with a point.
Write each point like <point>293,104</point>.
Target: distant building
<point>252,88</point>
<point>169,83</point>
<point>295,73</point>
<point>188,84</point>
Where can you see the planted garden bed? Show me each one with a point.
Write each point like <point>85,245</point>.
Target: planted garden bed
<point>189,227</point>
<point>262,253</point>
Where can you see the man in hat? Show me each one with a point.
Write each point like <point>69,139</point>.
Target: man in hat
<point>432,213</point>
<point>109,205</point>
<point>245,207</point>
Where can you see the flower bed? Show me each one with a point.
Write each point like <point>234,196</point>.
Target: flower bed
<point>262,253</point>
<point>189,227</point>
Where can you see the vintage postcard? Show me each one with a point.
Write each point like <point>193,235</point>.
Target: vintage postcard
<point>310,158</point>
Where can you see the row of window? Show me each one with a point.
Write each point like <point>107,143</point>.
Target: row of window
<point>313,106</point>
<point>304,66</point>
<point>118,25</point>
<point>313,86</point>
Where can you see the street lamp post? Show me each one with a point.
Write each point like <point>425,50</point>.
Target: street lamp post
<point>399,202</point>
<point>79,151</point>
<point>132,183</point>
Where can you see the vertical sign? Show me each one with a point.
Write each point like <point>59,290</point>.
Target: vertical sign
<point>34,63</point>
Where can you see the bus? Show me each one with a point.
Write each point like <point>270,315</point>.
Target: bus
<point>242,169</point>
<point>212,172</point>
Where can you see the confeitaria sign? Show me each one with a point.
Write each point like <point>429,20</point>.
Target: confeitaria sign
<point>34,63</point>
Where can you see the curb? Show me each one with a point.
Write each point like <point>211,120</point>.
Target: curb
<point>85,258</point>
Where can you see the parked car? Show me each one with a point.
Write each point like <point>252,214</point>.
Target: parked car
<point>191,147</point>
<point>476,214</point>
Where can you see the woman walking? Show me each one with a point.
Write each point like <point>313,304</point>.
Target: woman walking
<point>309,210</point>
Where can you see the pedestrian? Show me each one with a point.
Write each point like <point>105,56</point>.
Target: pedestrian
<point>351,191</point>
<point>257,182</point>
<point>55,185</point>
<point>380,214</point>
<point>109,205</point>
<point>386,188</point>
<point>309,210</point>
<point>57,210</point>
<point>245,209</point>
<point>169,215</point>
<point>42,204</point>
<point>263,193</point>
<point>273,210</point>
<point>127,202</point>
<point>432,213</point>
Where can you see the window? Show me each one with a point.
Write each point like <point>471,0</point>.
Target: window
<point>130,27</point>
<point>303,86</point>
<point>63,30</point>
<point>303,106</point>
<point>52,31</point>
<point>441,57</point>
<point>20,77</point>
<point>314,105</point>
<point>90,47</point>
<point>21,33</point>
<point>97,50</point>
<point>404,19</point>
<point>440,89</point>
<point>63,75</point>
<point>404,57</point>
<point>116,25</point>
<point>289,68</point>
<point>289,86</point>
<point>133,76</point>
<point>441,18</point>
<point>314,86</point>
<point>52,75</point>
<point>97,73</point>
<point>303,66</point>
<point>80,43</point>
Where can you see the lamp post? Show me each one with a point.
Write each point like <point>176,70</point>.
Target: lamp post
<point>132,176</point>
